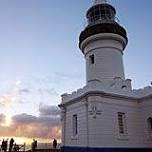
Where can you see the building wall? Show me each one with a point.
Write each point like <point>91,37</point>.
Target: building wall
<point>98,122</point>
<point>104,130</point>
<point>78,108</point>
<point>107,50</point>
<point>146,106</point>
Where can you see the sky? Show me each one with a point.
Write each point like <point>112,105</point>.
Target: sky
<point>40,59</point>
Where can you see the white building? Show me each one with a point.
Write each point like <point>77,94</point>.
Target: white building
<point>106,115</point>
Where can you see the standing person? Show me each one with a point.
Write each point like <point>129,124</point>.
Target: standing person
<point>34,145</point>
<point>2,145</point>
<point>11,144</point>
<point>5,145</point>
<point>54,144</point>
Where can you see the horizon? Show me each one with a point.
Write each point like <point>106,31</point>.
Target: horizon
<point>28,141</point>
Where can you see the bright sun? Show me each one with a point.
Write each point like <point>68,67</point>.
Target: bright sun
<point>8,121</point>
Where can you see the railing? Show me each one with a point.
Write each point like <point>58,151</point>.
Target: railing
<point>98,20</point>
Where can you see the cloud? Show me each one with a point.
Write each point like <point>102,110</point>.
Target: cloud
<point>43,120</point>
<point>36,127</point>
<point>9,95</point>
<point>2,118</point>
<point>7,100</point>
<point>24,118</point>
<point>27,91</point>
<point>45,126</point>
<point>24,91</point>
<point>46,110</point>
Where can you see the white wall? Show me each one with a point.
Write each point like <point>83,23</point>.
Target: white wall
<point>108,64</point>
<point>103,130</point>
<point>106,125</point>
<point>108,50</point>
<point>146,106</point>
<point>78,108</point>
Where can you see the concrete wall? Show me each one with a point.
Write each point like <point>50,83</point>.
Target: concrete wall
<point>146,106</point>
<point>104,130</point>
<point>78,108</point>
<point>108,63</point>
<point>98,127</point>
<point>108,50</point>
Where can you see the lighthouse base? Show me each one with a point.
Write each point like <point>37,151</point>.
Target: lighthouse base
<point>85,149</point>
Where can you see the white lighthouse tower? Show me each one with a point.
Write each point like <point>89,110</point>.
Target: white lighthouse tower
<point>106,115</point>
<point>102,43</point>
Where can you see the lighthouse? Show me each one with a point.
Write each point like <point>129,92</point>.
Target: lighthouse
<point>106,115</point>
<point>102,43</point>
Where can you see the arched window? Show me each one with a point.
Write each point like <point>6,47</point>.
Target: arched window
<point>149,121</point>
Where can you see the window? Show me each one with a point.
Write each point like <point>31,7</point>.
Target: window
<point>75,125</point>
<point>122,123</point>
<point>92,59</point>
<point>149,121</point>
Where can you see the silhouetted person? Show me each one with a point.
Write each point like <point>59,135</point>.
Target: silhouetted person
<point>11,144</point>
<point>34,145</point>
<point>55,143</point>
<point>2,145</point>
<point>5,145</point>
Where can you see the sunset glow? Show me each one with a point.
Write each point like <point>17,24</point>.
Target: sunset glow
<point>28,141</point>
<point>8,120</point>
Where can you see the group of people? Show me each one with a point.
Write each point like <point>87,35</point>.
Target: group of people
<point>4,145</point>
<point>12,146</point>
